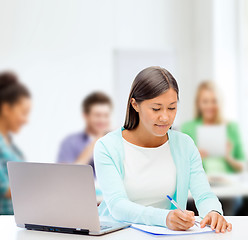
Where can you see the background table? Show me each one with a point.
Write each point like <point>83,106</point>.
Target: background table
<point>232,185</point>
<point>9,231</point>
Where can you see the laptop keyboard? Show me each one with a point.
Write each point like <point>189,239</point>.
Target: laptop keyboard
<point>104,227</point>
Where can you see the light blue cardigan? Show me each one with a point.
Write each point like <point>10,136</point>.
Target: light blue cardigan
<point>108,158</point>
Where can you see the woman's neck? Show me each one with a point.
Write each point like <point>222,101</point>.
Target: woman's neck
<point>141,137</point>
<point>209,121</point>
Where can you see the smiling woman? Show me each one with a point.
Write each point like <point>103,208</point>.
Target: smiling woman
<point>139,164</point>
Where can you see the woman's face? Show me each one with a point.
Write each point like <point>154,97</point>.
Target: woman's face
<point>16,115</point>
<point>207,104</point>
<point>158,114</point>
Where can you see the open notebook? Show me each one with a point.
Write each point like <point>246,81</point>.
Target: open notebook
<point>166,231</point>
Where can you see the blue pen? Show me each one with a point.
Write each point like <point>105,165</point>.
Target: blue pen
<point>177,206</point>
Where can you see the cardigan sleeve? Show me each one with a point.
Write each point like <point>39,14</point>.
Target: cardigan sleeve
<point>205,199</point>
<point>114,194</point>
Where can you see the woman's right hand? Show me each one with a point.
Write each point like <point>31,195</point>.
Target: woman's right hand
<point>180,221</point>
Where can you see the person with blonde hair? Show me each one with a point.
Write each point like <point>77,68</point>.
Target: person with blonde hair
<point>208,112</point>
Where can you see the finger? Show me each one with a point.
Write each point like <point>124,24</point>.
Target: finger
<point>219,224</point>
<point>174,222</point>
<point>179,227</point>
<point>182,225</point>
<point>205,221</point>
<point>213,221</point>
<point>185,216</point>
<point>185,224</point>
<point>191,213</point>
<point>223,229</point>
<point>229,227</point>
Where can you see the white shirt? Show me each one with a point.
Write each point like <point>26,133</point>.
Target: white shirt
<point>150,174</point>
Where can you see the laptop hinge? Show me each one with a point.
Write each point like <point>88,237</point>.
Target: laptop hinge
<point>57,229</point>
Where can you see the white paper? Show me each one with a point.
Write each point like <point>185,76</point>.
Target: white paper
<point>212,139</point>
<point>167,231</point>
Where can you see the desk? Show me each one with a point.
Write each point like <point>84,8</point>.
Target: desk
<point>9,231</point>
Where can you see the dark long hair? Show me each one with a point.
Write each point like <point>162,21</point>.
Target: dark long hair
<point>11,90</point>
<point>149,83</point>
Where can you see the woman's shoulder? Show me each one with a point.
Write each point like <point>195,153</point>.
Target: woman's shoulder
<point>111,138</point>
<point>232,125</point>
<point>232,128</point>
<point>109,145</point>
<point>179,137</point>
<point>115,137</point>
<point>181,143</point>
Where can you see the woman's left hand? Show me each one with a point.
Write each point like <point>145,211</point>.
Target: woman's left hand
<point>217,222</point>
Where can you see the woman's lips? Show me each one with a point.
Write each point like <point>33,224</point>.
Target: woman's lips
<point>162,125</point>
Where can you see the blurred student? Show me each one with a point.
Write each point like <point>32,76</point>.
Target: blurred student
<point>78,147</point>
<point>15,104</point>
<point>208,112</point>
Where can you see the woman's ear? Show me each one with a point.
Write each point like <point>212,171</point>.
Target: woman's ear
<point>134,104</point>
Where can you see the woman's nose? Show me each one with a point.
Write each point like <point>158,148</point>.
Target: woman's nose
<point>163,117</point>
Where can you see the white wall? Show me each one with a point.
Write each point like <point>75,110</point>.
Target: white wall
<point>225,54</point>
<point>166,25</point>
<point>242,82</point>
<point>64,49</point>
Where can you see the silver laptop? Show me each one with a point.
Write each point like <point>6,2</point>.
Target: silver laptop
<point>56,198</point>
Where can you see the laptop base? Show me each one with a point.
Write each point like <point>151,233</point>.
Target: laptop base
<point>56,229</point>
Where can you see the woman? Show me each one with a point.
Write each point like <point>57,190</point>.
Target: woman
<point>14,110</point>
<point>208,112</point>
<point>140,163</point>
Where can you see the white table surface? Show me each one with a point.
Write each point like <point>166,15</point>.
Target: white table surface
<point>9,231</point>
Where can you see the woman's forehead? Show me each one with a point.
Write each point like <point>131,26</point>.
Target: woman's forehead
<point>166,98</point>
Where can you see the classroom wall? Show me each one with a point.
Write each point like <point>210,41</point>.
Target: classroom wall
<point>64,51</point>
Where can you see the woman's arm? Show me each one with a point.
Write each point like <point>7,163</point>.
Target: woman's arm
<point>114,194</point>
<point>234,163</point>
<point>86,154</point>
<point>235,152</point>
<point>207,203</point>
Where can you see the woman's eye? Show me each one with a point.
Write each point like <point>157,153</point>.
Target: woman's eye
<point>172,108</point>
<point>156,109</point>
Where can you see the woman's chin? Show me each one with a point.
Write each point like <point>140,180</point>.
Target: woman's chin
<point>15,131</point>
<point>160,132</point>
